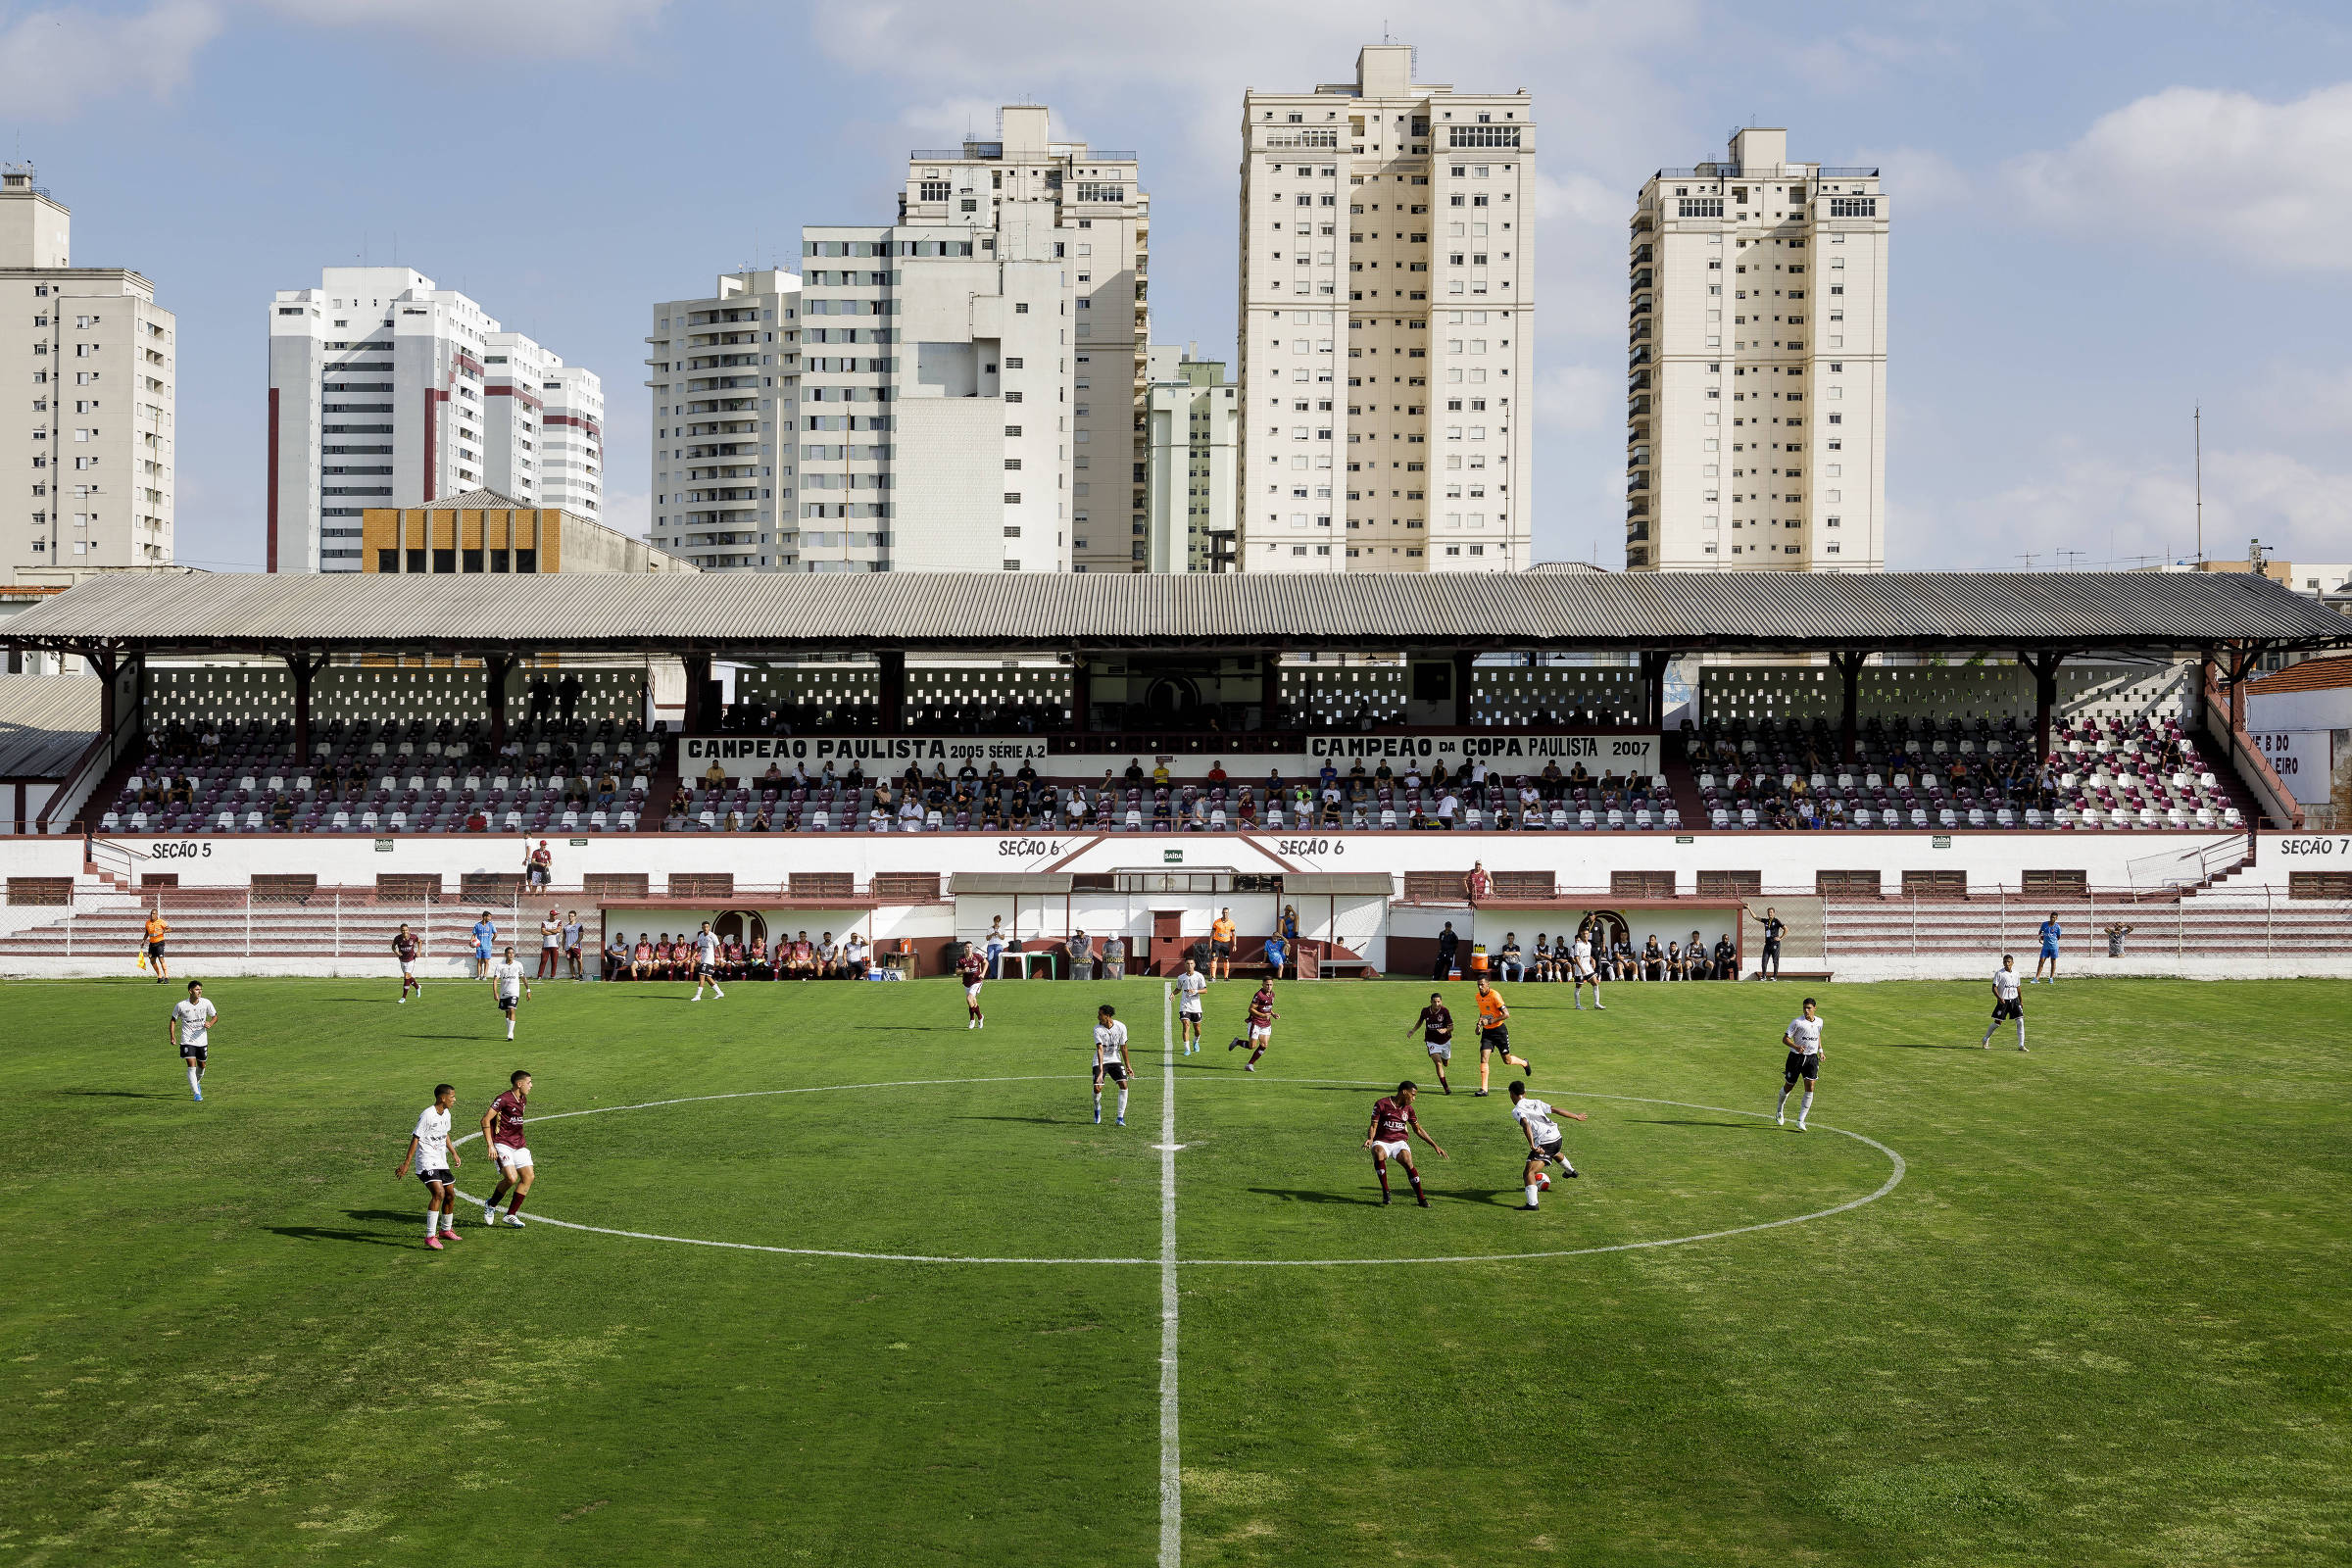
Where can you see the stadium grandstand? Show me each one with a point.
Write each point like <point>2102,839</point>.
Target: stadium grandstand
<point>1905,765</point>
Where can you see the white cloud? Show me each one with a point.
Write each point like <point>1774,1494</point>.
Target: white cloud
<point>1916,180</point>
<point>2268,185</point>
<point>531,27</point>
<point>55,63</point>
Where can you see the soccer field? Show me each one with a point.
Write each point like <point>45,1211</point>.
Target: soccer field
<point>2103,1317</point>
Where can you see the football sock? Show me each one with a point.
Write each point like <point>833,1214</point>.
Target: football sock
<point>1122,1101</point>
<point>1255,1055</point>
<point>515,1203</point>
<point>1805,1108</point>
<point>1530,1195</point>
<point>1783,1105</point>
<point>195,1080</point>
<point>1415,1177</point>
<point>1988,1029</point>
<point>432,1222</point>
<point>2020,1031</point>
<point>1383,1179</point>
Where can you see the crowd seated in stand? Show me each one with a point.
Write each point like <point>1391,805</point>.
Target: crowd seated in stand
<point>421,777</point>
<point>794,956</point>
<point>1912,775</point>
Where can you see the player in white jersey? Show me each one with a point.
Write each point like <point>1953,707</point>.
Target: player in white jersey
<point>1802,1037</point>
<point>2006,1001</point>
<point>1582,972</point>
<point>705,962</point>
<point>1188,986</point>
<point>510,985</point>
<point>429,1146</point>
<point>191,1029</point>
<point>1542,1139</point>
<point>1110,1059</point>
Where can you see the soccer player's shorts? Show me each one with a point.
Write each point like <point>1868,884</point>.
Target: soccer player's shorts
<point>2014,1007</point>
<point>1262,1031</point>
<point>1497,1039</point>
<point>407,968</point>
<point>1801,1064</point>
<point>155,950</point>
<point>481,954</point>
<point>2049,950</point>
<point>510,1158</point>
<point>971,992</point>
<point>704,971</point>
<point>1440,1050</point>
<point>1396,1150</point>
<point>1549,1153</point>
<point>1193,1014</point>
<point>1115,1071</point>
<point>1221,950</point>
<point>430,1177</point>
<point>509,999</point>
<point>192,1052</point>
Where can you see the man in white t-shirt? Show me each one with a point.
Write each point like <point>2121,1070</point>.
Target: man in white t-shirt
<point>853,956</point>
<point>1802,1037</point>
<point>705,962</point>
<point>551,945</point>
<point>1110,1059</point>
<point>1190,984</point>
<point>191,1029</point>
<point>2007,1003</point>
<point>508,985</point>
<point>429,1146</point>
<point>1535,1119</point>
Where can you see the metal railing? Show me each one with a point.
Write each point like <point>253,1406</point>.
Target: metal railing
<point>2256,923</point>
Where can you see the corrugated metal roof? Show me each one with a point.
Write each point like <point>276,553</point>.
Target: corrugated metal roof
<point>750,613</point>
<point>46,722</point>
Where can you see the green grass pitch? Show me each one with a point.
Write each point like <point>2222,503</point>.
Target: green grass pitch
<point>2106,1317</point>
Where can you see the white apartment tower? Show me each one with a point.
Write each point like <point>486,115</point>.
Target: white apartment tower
<point>1193,422</point>
<point>387,391</point>
<point>1388,325</point>
<point>93,356</point>
<point>1756,371</point>
<point>724,371</point>
<point>1085,209</point>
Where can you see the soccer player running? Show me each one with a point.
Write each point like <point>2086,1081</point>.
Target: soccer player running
<point>510,987</point>
<point>974,968</point>
<point>429,1146</point>
<point>1802,1037</point>
<point>1190,984</point>
<point>2006,1003</point>
<point>1582,971</point>
<point>156,929</point>
<point>191,1028</point>
<point>1436,1023</point>
<point>501,1127</point>
<point>1542,1139</point>
<point>1389,1137</point>
<point>1260,1024</point>
<point>1110,1059</point>
<point>406,948</point>
<point>1494,1034</point>
<point>2050,932</point>
<point>706,963</point>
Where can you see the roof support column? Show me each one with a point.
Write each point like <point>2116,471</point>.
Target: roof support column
<point>1465,670</point>
<point>2045,696</point>
<point>890,697</point>
<point>702,707</point>
<point>496,669</point>
<point>1081,694</point>
<point>1849,679</point>
<point>1653,689</point>
<point>301,665</point>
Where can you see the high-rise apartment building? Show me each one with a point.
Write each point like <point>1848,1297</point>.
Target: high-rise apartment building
<point>1756,373</point>
<point>1193,422</point>
<point>1387,325</point>
<point>1086,209</point>
<point>387,391</point>
<point>92,354</point>
<point>723,370</point>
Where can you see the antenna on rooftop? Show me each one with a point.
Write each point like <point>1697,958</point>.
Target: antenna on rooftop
<point>2197,434</point>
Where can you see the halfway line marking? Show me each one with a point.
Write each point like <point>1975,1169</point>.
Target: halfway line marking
<point>1171,1473</point>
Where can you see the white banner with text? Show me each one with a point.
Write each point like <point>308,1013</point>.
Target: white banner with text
<point>1506,754</point>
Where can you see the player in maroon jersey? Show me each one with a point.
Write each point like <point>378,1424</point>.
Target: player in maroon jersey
<point>406,948</point>
<point>502,1125</point>
<point>1260,1025</point>
<point>974,969</point>
<point>1389,1137</point>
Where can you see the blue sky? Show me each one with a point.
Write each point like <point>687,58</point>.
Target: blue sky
<point>2103,214</point>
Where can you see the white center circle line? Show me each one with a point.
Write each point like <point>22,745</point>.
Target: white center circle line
<point>1894,1179</point>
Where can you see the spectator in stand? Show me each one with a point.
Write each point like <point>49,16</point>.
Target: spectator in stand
<point>1447,804</point>
<point>714,776</point>
<point>282,814</point>
<point>1159,773</point>
<point>1216,772</point>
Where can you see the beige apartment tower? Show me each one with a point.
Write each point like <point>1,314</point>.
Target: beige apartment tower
<point>1386,325</point>
<point>1756,366</point>
<point>94,358</point>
